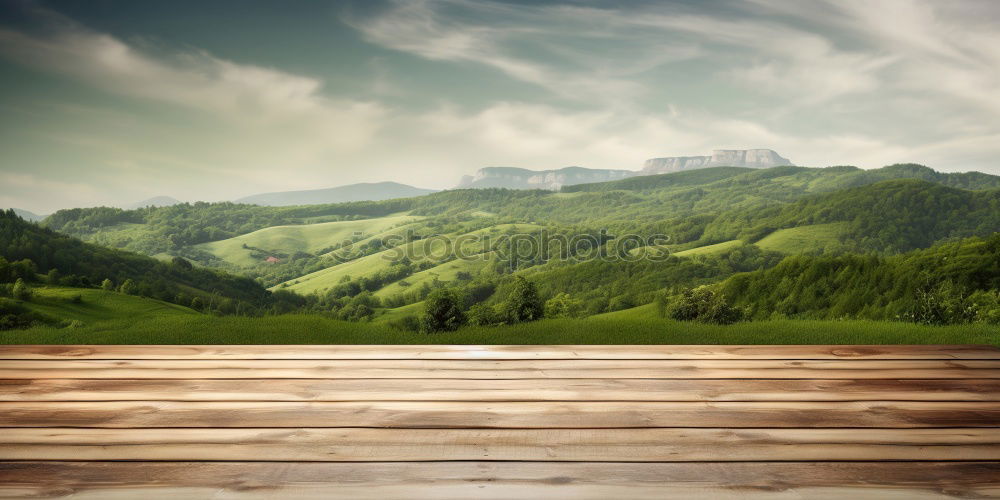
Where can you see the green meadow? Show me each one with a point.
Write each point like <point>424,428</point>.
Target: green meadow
<point>114,318</point>
<point>308,238</point>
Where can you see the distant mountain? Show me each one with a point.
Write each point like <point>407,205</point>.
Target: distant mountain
<point>26,215</point>
<point>753,158</point>
<point>365,191</point>
<point>522,178</point>
<point>156,201</point>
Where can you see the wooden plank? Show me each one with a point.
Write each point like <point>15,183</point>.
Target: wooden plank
<point>529,415</point>
<point>496,480</point>
<point>499,352</point>
<point>498,390</point>
<point>493,370</point>
<point>576,445</point>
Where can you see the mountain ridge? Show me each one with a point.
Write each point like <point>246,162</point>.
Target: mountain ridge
<point>556,179</point>
<point>522,178</point>
<point>362,191</point>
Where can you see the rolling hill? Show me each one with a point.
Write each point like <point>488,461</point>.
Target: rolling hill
<point>281,241</point>
<point>721,221</point>
<point>73,262</point>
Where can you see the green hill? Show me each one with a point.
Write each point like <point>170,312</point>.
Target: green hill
<point>69,261</point>
<point>87,306</point>
<point>709,249</point>
<point>433,250</point>
<point>804,239</point>
<point>282,241</point>
<point>444,274</point>
<point>950,283</point>
<point>889,216</point>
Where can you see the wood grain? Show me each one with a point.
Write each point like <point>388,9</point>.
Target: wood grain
<point>496,370</point>
<point>499,390</point>
<point>498,352</point>
<point>575,445</point>
<point>500,480</point>
<point>530,415</point>
<point>383,422</point>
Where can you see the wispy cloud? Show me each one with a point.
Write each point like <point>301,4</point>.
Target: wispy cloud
<point>570,51</point>
<point>243,93</point>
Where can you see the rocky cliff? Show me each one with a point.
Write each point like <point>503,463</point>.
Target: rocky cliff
<point>522,178</point>
<point>754,158</point>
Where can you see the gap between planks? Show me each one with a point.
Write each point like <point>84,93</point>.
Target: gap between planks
<point>499,352</point>
<point>524,415</point>
<point>572,445</point>
<point>489,480</point>
<point>507,369</point>
<point>499,390</point>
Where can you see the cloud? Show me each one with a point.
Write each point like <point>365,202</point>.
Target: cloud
<point>241,93</point>
<point>826,82</point>
<point>570,51</point>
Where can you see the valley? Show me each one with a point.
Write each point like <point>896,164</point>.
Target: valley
<point>375,266</point>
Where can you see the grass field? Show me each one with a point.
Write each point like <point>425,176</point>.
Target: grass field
<point>97,306</point>
<point>690,252</point>
<point>435,249</point>
<point>804,238</point>
<point>415,309</point>
<point>113,318</point>
<point>445,273</point>
<point>709,249</point>
<point>309,238</point>
<point>312,329</point>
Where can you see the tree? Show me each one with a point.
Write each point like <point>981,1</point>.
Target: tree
<point>563,306</point>
<point>484,315</point>
<point>20,290</point>
<point>128,287</point>
<point>523,303</point>
<point>52,277</point>
<point>107,285</point>
<point>182,263</point>
<point>442,312</point>
<point>705,305</point>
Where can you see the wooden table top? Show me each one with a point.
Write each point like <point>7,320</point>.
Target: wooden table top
<point>446,421</point>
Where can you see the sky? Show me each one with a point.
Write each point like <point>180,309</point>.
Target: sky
<point>108,102</point>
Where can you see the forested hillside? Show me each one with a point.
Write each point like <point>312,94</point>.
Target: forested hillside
<point>37,254</point>
<point>950,283</point>
<point>483,256</point>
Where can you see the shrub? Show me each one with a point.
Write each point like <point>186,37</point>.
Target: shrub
<point>20,291</point>
<point>705,305</point>
<point>942,304</point>
<point>986,304</point>
<point>442,312</point>
<point>523,303</point>
<point>128,287</point>
<point>484,315</point>
<point>107,285</point>
<point>563,306</point>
